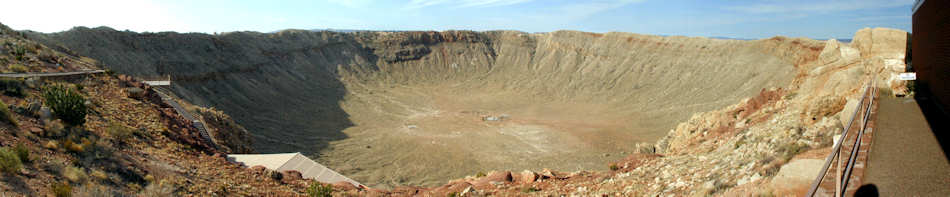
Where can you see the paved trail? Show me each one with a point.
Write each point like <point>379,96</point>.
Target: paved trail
<point>906,158</point>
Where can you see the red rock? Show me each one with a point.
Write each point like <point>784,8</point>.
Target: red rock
<point>343,185</point>
<point>497,177</point>
<point>36,130</point>
<point>291,175</point>
<point>258,169</point>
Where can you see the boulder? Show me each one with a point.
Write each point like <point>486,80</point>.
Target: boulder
<point>36,130</point>
<point>549,174</point>
<point>46,113</point>
<point>838,54</point>
<point>527,177</point>
<point>34,108</point>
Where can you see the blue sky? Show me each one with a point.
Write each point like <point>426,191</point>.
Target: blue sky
<point>735,18</point>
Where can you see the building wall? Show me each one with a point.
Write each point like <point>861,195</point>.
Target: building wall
<point>930,51</point>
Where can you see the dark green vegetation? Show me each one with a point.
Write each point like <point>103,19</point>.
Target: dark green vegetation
<point>66,103</point>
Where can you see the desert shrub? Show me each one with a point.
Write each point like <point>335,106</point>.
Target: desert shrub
<point>319,189</point>
<point>18,68</point>
<point>52,144</point>
<point>96,190</point>
<point>75,174</point>
<point>53,128</point>
<point>160,189</point>
<point>47,56</point>
<point>791,150</point>
<point>22,152</point>
<point>7,115</point>
<point>119,132</point>
<point>18,52</point>
<point>62,189</point>
<point>12,87</point>
<point>613,167</point>
<point>99,175</point>
<point>911,87</point>
<point>73,147</point>
<point>9,162</point>
<point>66,104</point>
<point>529,189</point>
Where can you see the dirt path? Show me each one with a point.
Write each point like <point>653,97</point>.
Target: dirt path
<point>906,157</point>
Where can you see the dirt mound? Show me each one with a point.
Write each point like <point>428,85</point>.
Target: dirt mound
<point>395,108</point>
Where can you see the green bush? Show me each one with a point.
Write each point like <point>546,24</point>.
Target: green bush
<point>319,189</point>
<point>18,68</point>
<point>22,152</point>
<point>9,162</point>
<point>66,104</point>
<point>7,115</point>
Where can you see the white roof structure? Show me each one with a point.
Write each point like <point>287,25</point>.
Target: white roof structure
<point>159,83</point>
<point>292,161</point>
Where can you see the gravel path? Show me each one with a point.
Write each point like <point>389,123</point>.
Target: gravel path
<point>906,156</point>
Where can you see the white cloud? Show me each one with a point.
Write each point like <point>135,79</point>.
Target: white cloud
<point>774,7</point>
<point>416,4</point>
<point>54,16</point>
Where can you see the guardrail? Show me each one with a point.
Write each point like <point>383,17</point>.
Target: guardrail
<point>843,174</point>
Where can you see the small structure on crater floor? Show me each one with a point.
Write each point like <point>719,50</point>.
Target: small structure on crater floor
<point>501,117</point>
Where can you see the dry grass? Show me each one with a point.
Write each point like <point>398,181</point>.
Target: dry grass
<point>75,174</point>
<point>9,162</point>
<point>7,115</point>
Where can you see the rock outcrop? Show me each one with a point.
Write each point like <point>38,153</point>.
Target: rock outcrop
<point>883,51</point>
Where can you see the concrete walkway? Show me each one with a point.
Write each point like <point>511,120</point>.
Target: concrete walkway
<point>907,157</point>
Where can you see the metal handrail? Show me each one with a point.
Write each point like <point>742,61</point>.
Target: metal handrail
<point>837,148</point>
